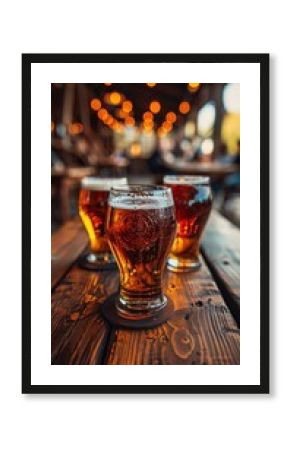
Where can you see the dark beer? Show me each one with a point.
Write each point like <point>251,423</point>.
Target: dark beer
<point>93,203</point>
<point>193,201</point>
<point>141,227</point>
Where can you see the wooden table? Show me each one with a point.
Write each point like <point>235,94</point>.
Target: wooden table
<point>203,329</point>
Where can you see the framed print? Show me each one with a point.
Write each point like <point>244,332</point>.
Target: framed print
<point>145,223</point>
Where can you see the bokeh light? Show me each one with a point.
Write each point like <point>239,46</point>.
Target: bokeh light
<point>193,87</point>
<point>189,129</point>
<point>148,116</point>
<point>127,106</point>
<point>130,121</point>
<point>206,119</point>
<point>171,117</point>
<point>231,98</point>
<point>207,146</point>
<point>115,98</point>
<point>155,107</point>
<point>184,107</point>
<point>96,104</point>
<point>102,114</point>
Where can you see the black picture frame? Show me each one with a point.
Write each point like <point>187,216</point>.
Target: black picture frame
<point>263,60</point>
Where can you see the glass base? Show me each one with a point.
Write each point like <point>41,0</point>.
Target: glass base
<point>140,308</point>
<point>183,265</point>
<point>135,321</point>
<point>97,261</point>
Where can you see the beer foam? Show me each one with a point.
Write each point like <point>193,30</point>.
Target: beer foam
<point>101,184</point>
<point>140,203</point>
<point>185,180</point>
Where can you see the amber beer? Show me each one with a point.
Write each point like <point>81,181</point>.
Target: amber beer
<point>93,203</point>
<point>193,201</point>
<point>141,227</point>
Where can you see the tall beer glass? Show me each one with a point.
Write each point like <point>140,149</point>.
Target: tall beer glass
<point>141,227</point>
<point>93,202</point>
<point>193,201</point>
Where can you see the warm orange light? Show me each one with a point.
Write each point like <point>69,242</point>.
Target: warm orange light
<point>121,114</point>
<point>193,87</point>
<point>161,132</point>
<point>118,127</point>
<point>155,107</point>
<point>147,116</point>
<point>135,149</point>
<point>115,98</point>
<point>130,121</point>
<point>109,120</point>
<point>96,104</point>
<point>52,126</point>
<point>184,107</point>
<point>171,117</point>
<point>102,114</point>
<point>108,84</point>
<point>167,126</point>
<point>148,126</point>
<point>75,128</point>
<point>127,106</point>
<point>151,84</point>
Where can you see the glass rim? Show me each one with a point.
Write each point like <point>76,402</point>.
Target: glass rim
<point>139,188</point>
<point>187,180</point>
<point>102,183</point>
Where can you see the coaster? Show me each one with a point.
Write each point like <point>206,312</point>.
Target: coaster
<point>84,263</point>
<point>112,315</point>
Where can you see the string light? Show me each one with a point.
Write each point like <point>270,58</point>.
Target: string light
<point>193,87</point>
<point>155,107</point>
<point>171,117</point>
<point>127,106</point>
<point>96,104</point>
<point>148,126</point>
<point>147,116</point>
<point>167,126</point>
<point>110,120</point>
<point>130,121</point>
<point>115,98</point>
<point>102,114</point>
<point>184,107</point>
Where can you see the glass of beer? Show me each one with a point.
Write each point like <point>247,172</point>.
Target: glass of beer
<point>93,203</point>
<point>141,227</point>
<point>193,201</point>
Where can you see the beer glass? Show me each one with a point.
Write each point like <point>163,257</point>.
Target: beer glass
<point>193,201</point>
<point>93,201</point>
<point>140,226</point>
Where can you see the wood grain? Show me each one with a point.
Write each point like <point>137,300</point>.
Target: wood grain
<point>66,245</point>
<point>221,248</point>
<point>79,332</point>
<point>201,331</point>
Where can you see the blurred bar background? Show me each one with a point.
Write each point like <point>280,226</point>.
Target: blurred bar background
<point>144,131</point>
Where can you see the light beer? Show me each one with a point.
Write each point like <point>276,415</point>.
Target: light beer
<point>193,201</point>
<point>93,203</point>
<point>141,227</point>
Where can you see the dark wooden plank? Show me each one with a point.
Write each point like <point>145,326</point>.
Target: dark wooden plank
<point>66,245</point>
<point>201,331</point>
<point>221,249</point>
<point>79,332</point>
